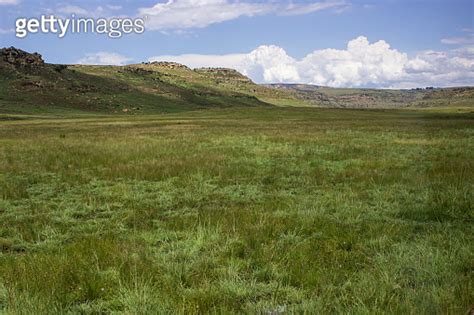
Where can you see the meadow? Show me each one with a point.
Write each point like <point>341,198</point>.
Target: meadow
<point>257,210</point>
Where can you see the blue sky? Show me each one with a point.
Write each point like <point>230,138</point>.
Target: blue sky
<point>278,41</point>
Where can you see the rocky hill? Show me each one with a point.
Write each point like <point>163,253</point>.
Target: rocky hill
<point>18,57</point>
<point>224,75</point>
<point>29,85</point>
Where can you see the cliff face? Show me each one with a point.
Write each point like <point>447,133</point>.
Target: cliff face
<point>169,65</point>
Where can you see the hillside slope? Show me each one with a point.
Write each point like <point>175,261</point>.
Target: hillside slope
<point>29,85</point>
<point>379,98</point>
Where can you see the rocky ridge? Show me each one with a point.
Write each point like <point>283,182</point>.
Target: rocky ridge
<point>20,57</point>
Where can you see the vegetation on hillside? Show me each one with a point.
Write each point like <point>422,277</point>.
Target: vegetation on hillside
<point>46,88</point>
<point>458,98</point>
<point>30,86</point>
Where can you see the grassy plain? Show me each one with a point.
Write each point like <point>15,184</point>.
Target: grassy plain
<point>269,211</point>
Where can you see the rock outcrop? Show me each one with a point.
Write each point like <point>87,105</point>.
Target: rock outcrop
<point>224,74</point>
<point>169,65</point>
<point>19,57</point>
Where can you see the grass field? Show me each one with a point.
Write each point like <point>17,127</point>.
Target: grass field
<point>267,211</point>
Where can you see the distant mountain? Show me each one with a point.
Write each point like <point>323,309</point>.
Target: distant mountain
<point>379,98</point>
<point>294,86</point>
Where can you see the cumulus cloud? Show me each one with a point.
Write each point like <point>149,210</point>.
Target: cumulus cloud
<point>104,58</point>
<point>440,68</point>
<point>361,64</point>
<point>6,2</point>
<point>270,64</point>
<point>185,14</point>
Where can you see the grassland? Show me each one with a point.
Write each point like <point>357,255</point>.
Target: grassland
<point>256,210</point>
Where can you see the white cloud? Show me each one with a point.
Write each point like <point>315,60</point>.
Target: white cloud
<point>440,68</point>
<point>467,39</point>
<point>361,64</point>
<point>270,64</point>
<point>71,9</point>
<point>104,58</point>
<point>185,14</point>
<point>6,30</point>
<point>114,7</point>
<point>299,9</point>
<point>462,40</point>
<point>95,12</point>
<point>6,2</point>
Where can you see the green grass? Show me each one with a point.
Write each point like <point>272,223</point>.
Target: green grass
<point>125,91</point>
<point>268,211</point>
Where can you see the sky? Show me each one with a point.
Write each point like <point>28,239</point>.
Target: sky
<point>339,43</point>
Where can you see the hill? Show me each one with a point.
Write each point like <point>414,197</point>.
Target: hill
<point>380,98</point>
<point>28,85</point>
